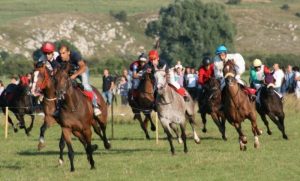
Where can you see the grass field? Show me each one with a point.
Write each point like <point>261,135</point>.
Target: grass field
<point>132,157</point>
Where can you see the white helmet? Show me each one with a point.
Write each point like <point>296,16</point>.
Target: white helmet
<point>257,63</point>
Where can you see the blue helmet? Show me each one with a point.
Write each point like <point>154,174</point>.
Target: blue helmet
<point>221,49</point>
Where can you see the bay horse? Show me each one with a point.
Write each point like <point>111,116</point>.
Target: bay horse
<point>237,106</point>
<point>143,102</point>
<point>19,100</point>
<point>172,109</point>
<point>211,105</point>
<point>271,105</point>
<point>45,84</point>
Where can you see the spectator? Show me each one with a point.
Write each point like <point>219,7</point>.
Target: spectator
<point>191,82</point>
<point>128,78</point>
<point>1,87</point>
<point>297,79</point>
<point>107,86</point>
<point>123,89</point>
<point>279,76</point>
<point>288,82</point>
<point>179,73</point>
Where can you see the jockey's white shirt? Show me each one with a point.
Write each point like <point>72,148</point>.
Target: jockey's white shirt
<point>297,88</point>
<point>278,75</point>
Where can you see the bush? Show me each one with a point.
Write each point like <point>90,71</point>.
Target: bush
<point>121,15</point>
<point>16,64</point>
<point>298,14</point>
<point>285,7</point>
<point>233,2</point>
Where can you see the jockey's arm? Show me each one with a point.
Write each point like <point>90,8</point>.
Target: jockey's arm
<point>82,69</point>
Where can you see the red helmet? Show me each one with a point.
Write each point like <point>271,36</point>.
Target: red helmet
<point>153,54</point>
<point>48,47</point>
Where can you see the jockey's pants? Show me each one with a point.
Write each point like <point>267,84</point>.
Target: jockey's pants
<point>85,82</point>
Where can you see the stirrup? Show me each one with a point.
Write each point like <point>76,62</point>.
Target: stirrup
<point>97,111</point>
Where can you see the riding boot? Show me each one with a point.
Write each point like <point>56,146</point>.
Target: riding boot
<point>97,110</point>
<point>56,113</point>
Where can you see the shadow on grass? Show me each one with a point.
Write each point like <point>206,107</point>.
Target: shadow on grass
<point>12,167</point>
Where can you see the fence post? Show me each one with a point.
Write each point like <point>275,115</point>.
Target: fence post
<point>6,122</point>
<point>156,122</point>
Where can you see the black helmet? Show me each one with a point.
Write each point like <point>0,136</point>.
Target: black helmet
<point>142,57</point>
<point>206,61</point>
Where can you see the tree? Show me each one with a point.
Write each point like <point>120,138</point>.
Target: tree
<point>190,29</point>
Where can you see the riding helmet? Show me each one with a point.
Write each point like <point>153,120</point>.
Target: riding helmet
<point>257,63</point>
<point>221,49</point>
<point>153,54</point>
<point>48,47</point>
<point>143,57</point>
<point>206,61</point>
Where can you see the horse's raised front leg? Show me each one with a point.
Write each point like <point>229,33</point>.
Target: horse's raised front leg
<point>255,131</point>
<point>175,129</point>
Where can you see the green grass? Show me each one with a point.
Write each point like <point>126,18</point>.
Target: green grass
<point>134,158</point>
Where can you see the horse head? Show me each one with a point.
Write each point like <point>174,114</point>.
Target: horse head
<point>40,78</point>
<point>62,80</point>
<point>229,72</point>
<point>212,87</point>
<point>160,76</point>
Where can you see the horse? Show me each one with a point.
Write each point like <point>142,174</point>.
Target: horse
<point>45,84</point>
<point>19,100</point>
<point>172,109</point>
<point>271,105</point>
<point>143,102</point>
<point>237,106</point>
<point>211,105</point>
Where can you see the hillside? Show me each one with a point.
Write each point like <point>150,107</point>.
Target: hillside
<point>262,27</point>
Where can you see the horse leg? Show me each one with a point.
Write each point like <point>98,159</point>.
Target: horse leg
<point>61,149</point>
<point>106,142</point>
<point>255,131</point>
<point>96,128</point>
<point>203,117</point>
<point>175,129</point>
<point>169,135</point>
<point>31,124</point>
<point>281,121</point>
<point>67,138</point>
<point>223,121</point>
<point>183,137</point>
<point>87,133</point>
<point>278,123</point>
<point>264,119</point>
<point>139,117</point>
<point>42,133</point>
<point>219,124</point>
<point>148,116</point>
<point>242,137</point>
<point>10,120</point>
<point>20,117</point>
<point>193,124</point>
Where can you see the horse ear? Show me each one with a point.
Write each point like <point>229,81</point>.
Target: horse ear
<point>164,67</point>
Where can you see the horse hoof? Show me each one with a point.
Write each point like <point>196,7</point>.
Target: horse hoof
<point>224,138</point>
<point>153,128</point>
<point>269,132</point>
<point>180,141</point>
<point>15,130</point>
<point>41,146</point>
<point>107,145</point>
<point>60,162</point>
<point>94,147</point>
<point>185,151</point>
<point>260,132</point>
<point>244,140</point>
<point>204,130</point>
<point>93,167</point>
<point>285,137</point>
<point>256,145</point>
<point>148,137</point>
<point>72,169</point>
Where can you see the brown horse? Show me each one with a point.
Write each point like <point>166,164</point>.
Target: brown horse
<point>210,104</point>
<point>271,105</point>
<point>20,102</point>
<point>237,106</point>
<point>143,102</point>
<point>44,83</point>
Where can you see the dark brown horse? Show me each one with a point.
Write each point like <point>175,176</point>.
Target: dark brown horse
<point>237,106</point>
<point>44,83</point>
<point>210,104</point>
<point>20,102</point>
<point>143,102</point>
<point>271,105</point>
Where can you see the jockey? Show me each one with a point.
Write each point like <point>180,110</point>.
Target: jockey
<point>137,68</point>
<point>80,70</point>
<point>49,56</point>
<point>257,74</point>
<point>156,63</point>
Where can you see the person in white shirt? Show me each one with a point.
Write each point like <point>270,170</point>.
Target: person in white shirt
<point>297,79</point>
<point>279,76</point>
<point>191,82</point>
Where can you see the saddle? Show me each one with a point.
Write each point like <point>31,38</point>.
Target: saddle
<point>79,86</point>
<point>181,91</point>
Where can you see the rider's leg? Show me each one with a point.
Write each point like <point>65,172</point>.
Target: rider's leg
<point>87,86</point>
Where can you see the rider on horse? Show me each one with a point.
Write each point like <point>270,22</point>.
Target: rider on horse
<point>49,56</point>
<point>205,72</point>
<point>221,58</point>
<point>80,69</point>
<point>137,68</point>
<point>156,63</point>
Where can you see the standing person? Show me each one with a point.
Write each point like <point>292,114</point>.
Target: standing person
<point>80,70</point>
<point>107,86</point>
<point>179,77</point>
<point>288,83</point>
<point>191,82</point>
<point>123,89</point>
<point>128,78</point>
<point>1,87</point>
<point>279,76</point>
<point>297,79</point>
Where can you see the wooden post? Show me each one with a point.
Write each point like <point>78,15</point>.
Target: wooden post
<point>112,118</point>
<point>6,122</point>
<point>156,124</point>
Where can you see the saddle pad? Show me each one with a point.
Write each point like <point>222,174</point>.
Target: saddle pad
<point>250,91</point>
<point>88,94</point>
<point>180,91</point>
